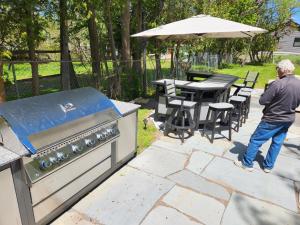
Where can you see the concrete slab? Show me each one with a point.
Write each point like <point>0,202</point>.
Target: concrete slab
<point>198,161</point>
<point>287,167</point>
<point>243,210</point>
<point>160,162</point>
<point>184,148</point>
<point>238,151</point>
<point>205,209</point>
<point>291,148</point>
<point>167,216</point>
<point>297,185</point>
<point>257,184</point>
<point>125,198</point>
<point>217,148</point>
<point>72,217</point>
<point>188,179</point>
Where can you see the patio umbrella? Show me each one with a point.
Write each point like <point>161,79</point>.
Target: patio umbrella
<point>201,26</point>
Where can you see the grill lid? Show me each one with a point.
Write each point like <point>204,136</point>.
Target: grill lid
<point>35,114</point>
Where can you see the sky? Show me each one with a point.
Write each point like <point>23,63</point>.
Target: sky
<point>296,16</point>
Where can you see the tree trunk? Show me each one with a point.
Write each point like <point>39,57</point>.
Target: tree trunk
<point>172,61</point>
<point>64,57</point>
<point>73,79</point>
<point>2,87</point>
<point>94,42</point>
<point>144,89</point>
<point>31,51</point>
<point>137,54</point>
<point>115,87</point>
<point>157,59</point>
<point>125,33</point>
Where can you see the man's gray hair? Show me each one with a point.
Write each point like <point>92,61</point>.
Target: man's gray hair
<point>286,66</point>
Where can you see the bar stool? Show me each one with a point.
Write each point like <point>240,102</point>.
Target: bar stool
<point>247,95</point>
<point>217,111</point>
<point>239,108</point>
<point>180,119</point>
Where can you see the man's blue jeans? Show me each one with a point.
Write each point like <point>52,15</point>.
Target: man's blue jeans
<point>264,131</point>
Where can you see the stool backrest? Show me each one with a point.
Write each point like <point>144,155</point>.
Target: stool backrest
<point>251,79</point>
<point>170,89</point>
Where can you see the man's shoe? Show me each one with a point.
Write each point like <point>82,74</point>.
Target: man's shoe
<point>266,170</point>
<point>241,165</point>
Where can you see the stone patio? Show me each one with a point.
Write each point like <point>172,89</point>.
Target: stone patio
<point>197,183</point>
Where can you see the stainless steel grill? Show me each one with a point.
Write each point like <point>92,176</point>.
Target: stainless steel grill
<point>70,143</point>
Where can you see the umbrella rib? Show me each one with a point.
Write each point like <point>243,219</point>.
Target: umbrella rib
<point>246,34</point>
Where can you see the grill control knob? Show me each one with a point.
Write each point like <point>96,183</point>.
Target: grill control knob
<point>110,131</point>
<point>89,142</point>
<point>105,133</point>
<point>61,156</point>
<point>53,160</point>
<point>100,136</point>
<point>44,164</point>
<point>76,148</point>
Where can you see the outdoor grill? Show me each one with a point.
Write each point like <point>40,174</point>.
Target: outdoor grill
<point>70,142</point>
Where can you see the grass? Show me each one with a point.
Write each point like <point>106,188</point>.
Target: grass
<point>267,72</point>
<point>145,136</point>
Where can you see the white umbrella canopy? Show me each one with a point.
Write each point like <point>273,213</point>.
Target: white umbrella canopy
<point>201,26</point>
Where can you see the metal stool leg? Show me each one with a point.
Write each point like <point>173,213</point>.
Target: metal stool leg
<point>168,123</point>
<point>206,121</point>
<point>230,124</point>
<point>213,126</point>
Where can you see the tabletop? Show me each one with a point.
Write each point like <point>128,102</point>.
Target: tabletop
<point>214,82</point>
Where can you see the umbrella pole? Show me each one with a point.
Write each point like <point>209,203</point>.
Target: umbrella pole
<point>177,60</point>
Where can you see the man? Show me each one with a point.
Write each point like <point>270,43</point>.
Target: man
<point>280,101</point>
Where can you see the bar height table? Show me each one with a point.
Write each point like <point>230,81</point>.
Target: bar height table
<point>215,88</point>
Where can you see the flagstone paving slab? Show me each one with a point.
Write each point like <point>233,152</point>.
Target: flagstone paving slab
<point>257,184</point>
<point>217,148</point>
<point>287,167</point>
<point>71,218</point>
<point>198,161</point>
<point>167,216</point>
<point>159,161</point>
<point>124,199</point>
<point>184,148</point>
<point>243,210</point>
<point>291,148</point>
<point>190,180</point>
<point>237,153</point>
<point>205,209</point>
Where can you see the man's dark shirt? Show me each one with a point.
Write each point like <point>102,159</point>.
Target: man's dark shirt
<point>281,99</point>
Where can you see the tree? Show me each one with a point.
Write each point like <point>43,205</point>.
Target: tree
<point>94,39</point>
<point>65,66</point>
<point>125,34</point>
<point>115,85</point>
<point>32,28</point>
<point>275,16</point>
<point>137,44</point>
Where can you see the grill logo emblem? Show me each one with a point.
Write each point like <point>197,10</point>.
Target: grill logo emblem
<point>67,107</point>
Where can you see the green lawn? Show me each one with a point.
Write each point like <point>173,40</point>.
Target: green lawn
<point>23,70</point>
<point>148,135</point>
<point>267,72</point>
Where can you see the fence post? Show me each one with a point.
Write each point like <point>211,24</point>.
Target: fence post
<point>2,85</point>
<point>15,79</point>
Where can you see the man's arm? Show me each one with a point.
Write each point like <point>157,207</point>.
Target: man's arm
<point>267,97</point>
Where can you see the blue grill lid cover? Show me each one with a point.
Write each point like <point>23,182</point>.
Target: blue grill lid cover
<point>35,114</point>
